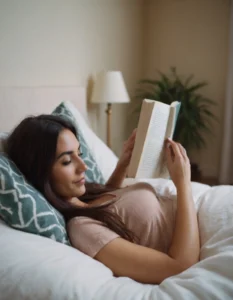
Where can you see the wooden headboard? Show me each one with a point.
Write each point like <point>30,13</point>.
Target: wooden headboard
<point>19,102</point>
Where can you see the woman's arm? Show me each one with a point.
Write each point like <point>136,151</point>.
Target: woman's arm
<point>118,175</point>
<point>140,263</point>
<point>150,266</point>
<point>185,246</point>
<point>120,171</point>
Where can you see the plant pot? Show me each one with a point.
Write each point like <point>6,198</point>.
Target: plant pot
<point>195,172</point>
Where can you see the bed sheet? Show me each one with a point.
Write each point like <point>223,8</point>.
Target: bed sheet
<point>38,267</point>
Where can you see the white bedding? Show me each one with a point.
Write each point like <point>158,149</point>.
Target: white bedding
<point>45,269</point>
<point>35,267</point>
<point>212,277</point>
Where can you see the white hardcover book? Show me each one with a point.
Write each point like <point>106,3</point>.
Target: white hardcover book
<point>156,123</point>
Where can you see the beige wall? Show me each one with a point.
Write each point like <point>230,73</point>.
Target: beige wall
<point>63,42</point>
<point>193,36</point>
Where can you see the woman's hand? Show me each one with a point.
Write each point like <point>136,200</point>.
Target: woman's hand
<point>120,171</point>
<point>127,150</point>
<point>178,163</point>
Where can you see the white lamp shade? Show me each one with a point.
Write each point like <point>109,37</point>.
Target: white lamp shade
<point>109,87</point>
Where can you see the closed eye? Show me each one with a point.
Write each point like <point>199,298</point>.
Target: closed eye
<point>66,163</point>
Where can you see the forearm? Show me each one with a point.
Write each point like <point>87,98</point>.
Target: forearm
<point>117,177</point>
<point>185,246</point>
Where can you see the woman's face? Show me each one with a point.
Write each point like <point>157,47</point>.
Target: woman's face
<point>67,176</point>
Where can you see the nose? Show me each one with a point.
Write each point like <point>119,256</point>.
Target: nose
<point>81,166</point>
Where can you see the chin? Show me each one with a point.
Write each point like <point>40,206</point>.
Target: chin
<point>81,191</point>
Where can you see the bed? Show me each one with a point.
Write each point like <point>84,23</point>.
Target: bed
<point>36,267</point>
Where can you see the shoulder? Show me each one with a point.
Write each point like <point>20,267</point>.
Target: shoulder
<point>89,235</point>
<point>81,223</point>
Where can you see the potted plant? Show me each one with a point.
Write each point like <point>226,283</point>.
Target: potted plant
<point>195,116</point>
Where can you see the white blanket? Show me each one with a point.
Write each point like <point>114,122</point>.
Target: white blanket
<point>33,267</point>
<point>212,277</point>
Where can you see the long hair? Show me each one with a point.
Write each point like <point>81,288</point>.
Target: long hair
<point>32,147</point>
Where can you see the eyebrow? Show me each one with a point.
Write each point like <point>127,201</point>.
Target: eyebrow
<point>67,153</point>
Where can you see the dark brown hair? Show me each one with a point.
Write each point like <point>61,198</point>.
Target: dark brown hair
<point>32,147</point>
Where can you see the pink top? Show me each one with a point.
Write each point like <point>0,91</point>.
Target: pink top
<point>150,217</point>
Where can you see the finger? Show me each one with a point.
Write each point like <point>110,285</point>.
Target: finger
<point>169,154</point>
<point>184,153</point>
<point>132,140</point>
<point>129,146</point>
<point>176,149</point>
<point>182,150</point>
<point>129,142</point>
<point>132,143</point>
<point>133,134</point>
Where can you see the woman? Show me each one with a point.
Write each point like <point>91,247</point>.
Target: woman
<point>124,228</point>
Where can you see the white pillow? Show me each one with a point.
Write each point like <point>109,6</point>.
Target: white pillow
<point>104,156</point>
<point>35,267</point>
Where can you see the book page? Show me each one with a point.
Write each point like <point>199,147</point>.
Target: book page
<point>171,124</point>
<point>174,111</point>
<point>151,159</point>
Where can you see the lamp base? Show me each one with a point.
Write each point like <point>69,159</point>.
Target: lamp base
<point>109,113</point>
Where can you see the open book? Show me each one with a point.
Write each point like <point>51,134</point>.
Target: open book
<point>156,123</point>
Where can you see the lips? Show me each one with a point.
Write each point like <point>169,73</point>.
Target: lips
<point>81,181</point>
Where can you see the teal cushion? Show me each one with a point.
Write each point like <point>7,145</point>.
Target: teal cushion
<point>93,173</point>
<point>24,208</point>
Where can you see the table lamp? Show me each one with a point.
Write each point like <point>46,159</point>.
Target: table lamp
<point>109,88</point>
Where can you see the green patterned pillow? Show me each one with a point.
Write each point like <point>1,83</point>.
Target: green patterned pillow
<point>93,173</point>
<point>24,208</point>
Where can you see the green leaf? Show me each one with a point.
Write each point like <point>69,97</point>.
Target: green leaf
<point>187,81</point>
<point>197,86</point>
<point>195,117</point>
<point>148,81</point>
